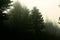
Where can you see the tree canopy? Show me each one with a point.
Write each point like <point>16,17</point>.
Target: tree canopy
<point>4,4</point>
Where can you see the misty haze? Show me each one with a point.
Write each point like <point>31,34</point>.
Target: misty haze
<point>30,19</point>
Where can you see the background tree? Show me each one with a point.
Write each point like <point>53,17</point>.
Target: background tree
<point>37,20</point>
<point>4,4</point>
<point>19,18</point>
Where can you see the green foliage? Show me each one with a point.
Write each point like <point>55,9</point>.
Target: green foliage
<point>21,20</point>
<point>4,4</point>
<point>37,19</point>
<point>18,20</point>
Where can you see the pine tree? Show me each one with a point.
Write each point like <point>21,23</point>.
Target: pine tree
<point>19,19</point>
<point>59,20</point>
<point>4,4</point>
<point>37,20</point>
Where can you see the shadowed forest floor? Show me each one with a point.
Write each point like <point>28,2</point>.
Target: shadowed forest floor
<point>30,35</point>
<point>42,36</point>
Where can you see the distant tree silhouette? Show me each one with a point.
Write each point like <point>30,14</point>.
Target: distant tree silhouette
<point>19,18</point>
<point>37,20</point>
<point>59,20</point>
<point>25,16</point>
<point>4,4</point>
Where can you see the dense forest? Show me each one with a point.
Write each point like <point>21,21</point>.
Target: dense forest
<point>25,23</point>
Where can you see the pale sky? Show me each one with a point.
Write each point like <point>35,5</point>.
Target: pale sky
<point>48,8</point>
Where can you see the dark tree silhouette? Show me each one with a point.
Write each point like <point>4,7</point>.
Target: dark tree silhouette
<point>4,4</point>
<point>19,18</point>
<point>59,20</point>
<point>37,20</point>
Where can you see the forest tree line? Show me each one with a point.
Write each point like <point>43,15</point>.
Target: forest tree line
<point>21,19</point>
